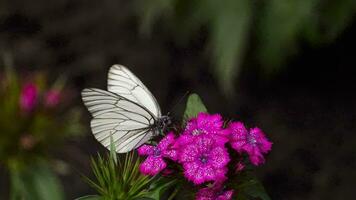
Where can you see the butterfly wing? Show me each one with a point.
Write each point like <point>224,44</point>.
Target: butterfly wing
<point>123,82</point>
<point>127,122</point>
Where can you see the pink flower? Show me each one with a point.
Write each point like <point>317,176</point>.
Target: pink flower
<point>214,193</point>
<point>253,142</point>
<point>204,124</point>
<point>155,162</point>
<point>28,97</point>
<point>203,160</point>
<point>52,98</point>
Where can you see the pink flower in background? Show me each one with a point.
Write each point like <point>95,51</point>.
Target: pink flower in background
<point>214,193</point>
<point>204,160</point>
<point>52,98</point>
<point>28,97</point>
<point>155,163</point>
<point>204,124</point>
<point>253,142</point>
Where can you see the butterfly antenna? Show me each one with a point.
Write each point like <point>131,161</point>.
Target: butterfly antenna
<point>177,103</point>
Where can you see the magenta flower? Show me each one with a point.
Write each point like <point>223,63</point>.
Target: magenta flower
<point>203,160</point>
<point>52,98</point>
<point>214,193</point>
<point>155,163</point>
<point>28,97</point>
<point>204,124</point>
<point>253,142</point>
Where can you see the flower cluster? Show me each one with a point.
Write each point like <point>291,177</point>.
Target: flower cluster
<point>41,112</point>
<point>30,96</point>
<point>202,151</point>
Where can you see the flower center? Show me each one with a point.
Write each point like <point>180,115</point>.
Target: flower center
<point>197,131</point>
<point>251,139</point>
<point>156,152</point>
<point>204,158</point>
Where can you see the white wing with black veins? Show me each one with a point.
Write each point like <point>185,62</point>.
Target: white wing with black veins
<point>115,115</point>
<point>123,82</point>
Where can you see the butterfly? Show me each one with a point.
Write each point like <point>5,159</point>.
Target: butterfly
<point>127,115</point>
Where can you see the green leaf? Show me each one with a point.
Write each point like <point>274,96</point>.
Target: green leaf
<point>159,188</point>
<point>249,187</point>
<point>113,155</point>
<point>194,106</point>
<point>90,197</point>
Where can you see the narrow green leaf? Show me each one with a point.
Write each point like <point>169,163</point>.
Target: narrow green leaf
<point>90,197</point>
<point>160,188</point>
<point>113,155</point>
<point>194,106</point>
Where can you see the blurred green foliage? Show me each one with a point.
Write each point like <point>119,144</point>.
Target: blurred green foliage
<point>35,118</point>
<point>35,182</point>
<point>271,29</point>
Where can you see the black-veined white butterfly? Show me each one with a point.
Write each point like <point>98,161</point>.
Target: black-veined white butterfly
<point>128,112</point>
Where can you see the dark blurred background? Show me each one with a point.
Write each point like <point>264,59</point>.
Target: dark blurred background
<point>293,74</point>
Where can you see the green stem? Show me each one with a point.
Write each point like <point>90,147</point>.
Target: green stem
<point>174,193</point>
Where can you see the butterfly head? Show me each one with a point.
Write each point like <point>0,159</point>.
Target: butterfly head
<point>163,122</point>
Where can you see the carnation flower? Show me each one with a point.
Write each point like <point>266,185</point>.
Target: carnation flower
<point>214,193</point>
<point>155,163</point>
<point>204,124</point>
<point>253,142</point>
<point>28,97</point>
<point>203,160</point>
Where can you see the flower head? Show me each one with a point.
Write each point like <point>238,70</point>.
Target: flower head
<point>28,97</point>
<point>204,124</point>
<point>203,160</point>
<point>155,163</point>
<point>214,193</point>
<point>253,142</point>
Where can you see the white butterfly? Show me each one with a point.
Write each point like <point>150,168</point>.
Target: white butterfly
<point>127,112</point>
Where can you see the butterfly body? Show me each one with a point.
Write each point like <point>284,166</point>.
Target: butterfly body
<point>162,123</point>
<point>128,112</point>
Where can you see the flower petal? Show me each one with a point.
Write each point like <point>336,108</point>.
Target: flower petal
<point>189,153</point>
<point>171,154</point>
<point>166,141</point>
<point>219,157</point>
<point>152,165</point>
<point>145,150</point>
